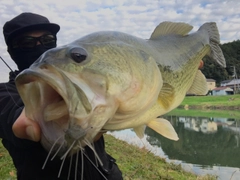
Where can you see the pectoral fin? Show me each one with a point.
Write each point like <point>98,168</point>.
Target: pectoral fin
<point>140,131</point>
<point>166,96</point>
<point>199,86</point>
<point>163,127</point>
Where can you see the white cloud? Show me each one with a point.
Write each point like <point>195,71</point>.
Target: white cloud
<point>136,17</point>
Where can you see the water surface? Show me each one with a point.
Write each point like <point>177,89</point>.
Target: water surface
<point>207,145</point>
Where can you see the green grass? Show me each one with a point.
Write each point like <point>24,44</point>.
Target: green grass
<point>140,164</point>
<point>227,106</point>
<point>206,113</point>
<point>135,164</point>
<point>213,102</point>
<point>7,169</point>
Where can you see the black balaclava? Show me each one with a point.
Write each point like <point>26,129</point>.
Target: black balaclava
<point>26,22</point>
<point>26,58</point>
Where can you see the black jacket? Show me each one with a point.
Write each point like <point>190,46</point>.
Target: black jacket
<point>28,156</point>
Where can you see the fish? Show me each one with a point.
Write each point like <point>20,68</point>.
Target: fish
<point>110,80</point>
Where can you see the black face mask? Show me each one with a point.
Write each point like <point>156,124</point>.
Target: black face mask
<point>26,58</point>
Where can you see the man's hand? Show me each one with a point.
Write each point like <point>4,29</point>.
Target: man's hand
<point>201,64</point>
<point>97,137</point>
<point>26,128</point>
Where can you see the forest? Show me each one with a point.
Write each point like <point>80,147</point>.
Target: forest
<point>212,70</point>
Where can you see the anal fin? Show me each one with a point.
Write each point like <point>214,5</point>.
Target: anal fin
<point>163,127</point>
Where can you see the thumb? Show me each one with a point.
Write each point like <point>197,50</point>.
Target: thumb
<point>26,128</point>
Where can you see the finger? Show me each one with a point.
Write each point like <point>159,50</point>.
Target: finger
<point>26,128</point>
<point>201,64</point>
<point>97,137</point>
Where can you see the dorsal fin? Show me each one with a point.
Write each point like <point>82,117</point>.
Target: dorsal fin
<point>165,28</point>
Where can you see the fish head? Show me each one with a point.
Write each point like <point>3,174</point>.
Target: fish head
<point>74,90</point>
<point>64,102</point>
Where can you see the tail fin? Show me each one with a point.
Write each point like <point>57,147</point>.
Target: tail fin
<point>214,39</point>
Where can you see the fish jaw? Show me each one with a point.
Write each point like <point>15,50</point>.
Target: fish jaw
<point>52,99</point>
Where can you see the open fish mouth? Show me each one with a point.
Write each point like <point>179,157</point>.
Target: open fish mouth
<point>50,99</point>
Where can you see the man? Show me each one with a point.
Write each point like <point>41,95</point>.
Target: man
<point>27,36</point>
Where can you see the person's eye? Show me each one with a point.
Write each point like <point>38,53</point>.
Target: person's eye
<point>48,39</point>
<point>27,43</point>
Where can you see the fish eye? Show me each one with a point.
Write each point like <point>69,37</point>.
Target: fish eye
<point>78,54</point>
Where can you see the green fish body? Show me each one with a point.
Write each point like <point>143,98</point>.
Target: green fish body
<point>111,81</point>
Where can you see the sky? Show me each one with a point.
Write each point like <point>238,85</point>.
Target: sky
<point>78,18</point>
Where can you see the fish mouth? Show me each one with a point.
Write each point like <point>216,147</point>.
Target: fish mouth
<point>50,97</point>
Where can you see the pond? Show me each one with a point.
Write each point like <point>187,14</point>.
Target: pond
<point>207,145</point>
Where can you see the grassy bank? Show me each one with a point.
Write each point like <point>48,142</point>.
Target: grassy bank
<point>135,163</point>
<point>139,164</point>
<point>230,102</point>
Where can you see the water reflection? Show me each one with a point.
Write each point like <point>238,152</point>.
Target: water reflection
<point>206,145</point>
<point>205,141</point>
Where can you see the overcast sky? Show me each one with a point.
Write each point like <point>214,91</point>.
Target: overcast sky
<point>137,17</point>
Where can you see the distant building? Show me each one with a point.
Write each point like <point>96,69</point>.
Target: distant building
<point>211,83</point>
<point>234,83</point>
<point>222,91</point>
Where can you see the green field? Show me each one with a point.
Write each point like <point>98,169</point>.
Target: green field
<point>206,113</point>
<point>209,106</point>
<point>213,102</point>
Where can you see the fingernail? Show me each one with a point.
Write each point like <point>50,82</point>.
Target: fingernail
<point>30,133</point>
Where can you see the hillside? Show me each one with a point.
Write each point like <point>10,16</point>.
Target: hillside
<point>231,53</point>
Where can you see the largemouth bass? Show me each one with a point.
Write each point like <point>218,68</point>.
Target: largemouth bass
<point>111,81</point>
